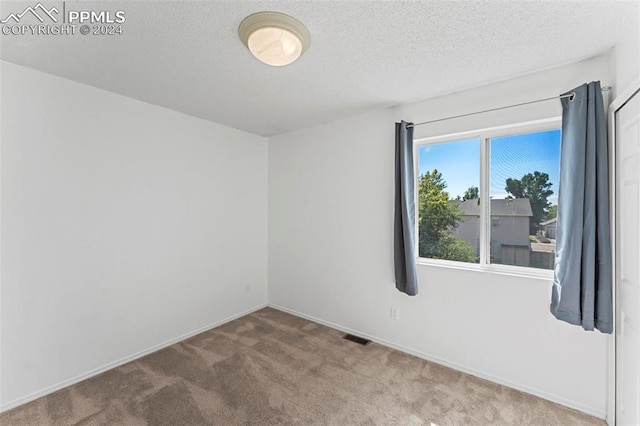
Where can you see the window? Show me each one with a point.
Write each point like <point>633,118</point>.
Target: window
<point>448,209</point>
<point>517,169</point>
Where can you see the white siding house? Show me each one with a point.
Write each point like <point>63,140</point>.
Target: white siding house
<point>549,228</point>
<point>509,229</point>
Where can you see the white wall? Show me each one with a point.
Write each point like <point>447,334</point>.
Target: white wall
<point>627,56</point>
<point>124,226</point>
<point>330,249</point>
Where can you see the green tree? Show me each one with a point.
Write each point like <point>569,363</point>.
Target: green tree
<point>451,248</point>
<point>552,212</point>
<point>471,193</point>
<point>437,219</point>
<point>537,188</point>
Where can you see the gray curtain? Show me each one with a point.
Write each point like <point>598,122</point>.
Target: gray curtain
<point>582,277</point>
<point>404,224</point>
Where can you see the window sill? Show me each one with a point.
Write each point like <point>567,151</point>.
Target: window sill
<point>514,271</point>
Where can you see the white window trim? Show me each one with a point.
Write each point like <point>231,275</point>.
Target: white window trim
<point>484,135</point>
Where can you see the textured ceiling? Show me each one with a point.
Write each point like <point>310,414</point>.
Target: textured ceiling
<point>363,55</point>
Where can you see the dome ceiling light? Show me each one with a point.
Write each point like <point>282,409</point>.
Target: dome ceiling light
<point>274,38</point>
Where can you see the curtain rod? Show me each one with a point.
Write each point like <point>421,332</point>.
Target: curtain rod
<point>570,95</point>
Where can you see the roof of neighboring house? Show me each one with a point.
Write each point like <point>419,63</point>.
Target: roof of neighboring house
<point>550,221</point>
<point>513,207</point>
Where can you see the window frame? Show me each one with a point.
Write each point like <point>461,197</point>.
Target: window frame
<point>484,135</point>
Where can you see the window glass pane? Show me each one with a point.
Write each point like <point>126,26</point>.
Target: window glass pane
<point>448,210</point>
<point>524,171</point>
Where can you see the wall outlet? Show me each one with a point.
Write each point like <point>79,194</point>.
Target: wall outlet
<point>394,313</point>
<point>247,288</point>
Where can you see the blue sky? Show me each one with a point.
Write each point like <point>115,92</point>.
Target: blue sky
<point>511,157</point>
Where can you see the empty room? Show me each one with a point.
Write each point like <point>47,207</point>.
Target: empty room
<point>320,212</point>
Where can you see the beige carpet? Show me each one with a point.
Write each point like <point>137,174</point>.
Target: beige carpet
<point>274,368</point>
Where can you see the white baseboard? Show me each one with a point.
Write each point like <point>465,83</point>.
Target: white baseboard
<point>481,374</point>
<point>65,383</point>
<point>487,376</point>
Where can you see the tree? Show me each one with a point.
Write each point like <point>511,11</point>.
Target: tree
<point>552,212</point>
<point>537,188</point>
<point>451,248</point>
<point>437,219</point>
<point>471,193</point>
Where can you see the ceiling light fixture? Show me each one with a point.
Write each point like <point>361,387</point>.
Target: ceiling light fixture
<point>274,38</point>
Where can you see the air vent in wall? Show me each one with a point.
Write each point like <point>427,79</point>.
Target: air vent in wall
<point>359,340</point>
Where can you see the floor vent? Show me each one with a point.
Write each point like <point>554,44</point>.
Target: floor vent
<point>359,340</point>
